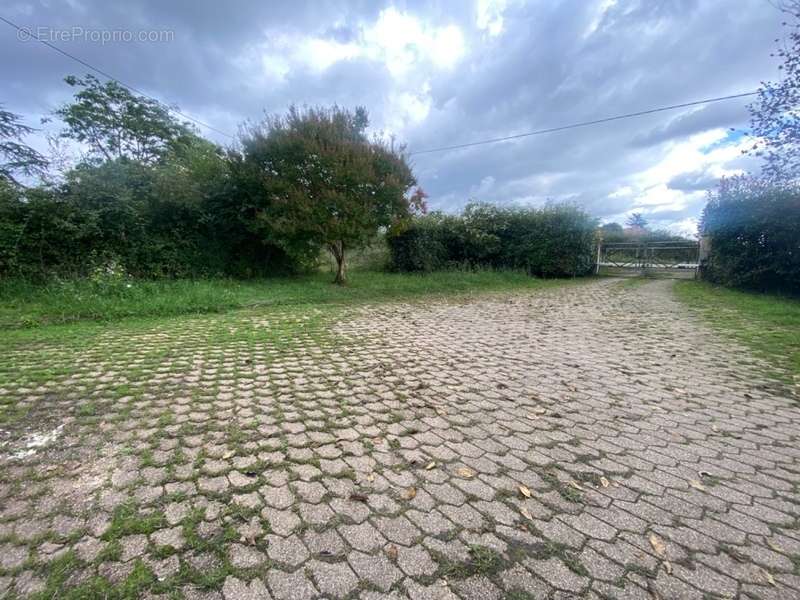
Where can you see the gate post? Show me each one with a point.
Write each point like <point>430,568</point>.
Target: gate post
<point>703,255</point>
<point>597,263</point>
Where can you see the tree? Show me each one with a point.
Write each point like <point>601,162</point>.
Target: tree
<point>313,179</point>
<point>115,123</point>
<point>636,221</point>
<point>775,115</point>
<point>17,157</point>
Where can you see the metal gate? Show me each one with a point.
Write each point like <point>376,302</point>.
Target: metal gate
<point>651,259</point>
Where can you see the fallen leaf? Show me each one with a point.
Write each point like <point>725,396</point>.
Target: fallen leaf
<point>526,513</point>
<point>391,552</point>
<point>430,465</point>
<point>371,477</point>
<point>668,567</point>
<point>775,546</point>
<point>697,485</point>
<point>228,454</point>
<point>768,576</point>
<point>357,497</point>
<point>465,472</point>
<point>604,482</point>
<point>575,485</point>
<point>525,491</point>
<point>410,493</point>
<point>658,545</point>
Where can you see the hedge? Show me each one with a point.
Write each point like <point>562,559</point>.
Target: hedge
<point>754,231</point>
<point>554,241</point>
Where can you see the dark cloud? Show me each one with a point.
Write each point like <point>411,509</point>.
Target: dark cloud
<point>693,182</point>
<point>551,63</point>
<point>710,116</point>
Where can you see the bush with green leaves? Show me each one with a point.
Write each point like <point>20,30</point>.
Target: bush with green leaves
<point>754,229</point>
<point>553,241</point>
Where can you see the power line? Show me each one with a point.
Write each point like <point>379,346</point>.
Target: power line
<point>26,32</point>
<point>583,123</point>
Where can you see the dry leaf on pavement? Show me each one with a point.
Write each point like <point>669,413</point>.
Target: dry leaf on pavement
<point>697,485</point>
<point>658,545</point>
<point>391,552</point>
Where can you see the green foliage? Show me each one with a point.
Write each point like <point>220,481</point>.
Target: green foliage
<point>17,158</point>
<point>767,323</point>
<point>754,230</point>
<point>115,124</point>
<point>314,180</point>
<point>175,218</point>
<point>24,304</point>
<point>554,241</point>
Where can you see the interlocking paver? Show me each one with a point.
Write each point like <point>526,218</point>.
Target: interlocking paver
<point>380,453</point>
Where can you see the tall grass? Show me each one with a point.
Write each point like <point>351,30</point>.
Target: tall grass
<point>26,304</point>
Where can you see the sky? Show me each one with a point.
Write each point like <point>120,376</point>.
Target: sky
<point>443,73</point>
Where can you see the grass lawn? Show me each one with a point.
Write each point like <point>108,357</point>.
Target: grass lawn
<point>768,324</point>
<point>25,305</point>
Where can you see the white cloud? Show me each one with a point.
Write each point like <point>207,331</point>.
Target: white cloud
<point>489,16</point>
<point>440,74</point>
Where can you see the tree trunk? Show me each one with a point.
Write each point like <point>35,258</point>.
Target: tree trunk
<point>337,250</point>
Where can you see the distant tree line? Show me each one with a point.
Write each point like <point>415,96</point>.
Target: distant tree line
<point>636,229</point>
<point>154,199</point>
<point>553,241</point>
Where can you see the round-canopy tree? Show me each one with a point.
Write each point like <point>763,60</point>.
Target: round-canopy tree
<point>315,179</point>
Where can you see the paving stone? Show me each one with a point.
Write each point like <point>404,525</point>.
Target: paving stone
<point>213,484</point>
<point>364,537</point>
<point>244,557</point>
<point>172,537</point>
<point>397,529</point>
<point>133,546</point>
<point>288,551</point>
<point>617,407</point>
<point>238,589</point>
<point>290,586</point>
<point>89,548</point>
<point>375,569</point>
<point>333,579</point>
<point>477,587</point>
<point>415,561</point>
<point>554,572</point>
<point>12,557</point>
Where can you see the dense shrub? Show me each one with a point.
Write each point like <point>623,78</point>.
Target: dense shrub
<point>554,241</point>
<point>754,232</point>
<point>179,218</point>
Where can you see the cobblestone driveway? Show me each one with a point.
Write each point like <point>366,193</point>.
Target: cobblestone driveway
<point>589,441</point>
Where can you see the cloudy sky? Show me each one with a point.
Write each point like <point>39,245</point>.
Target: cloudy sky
<point>443,73</point>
